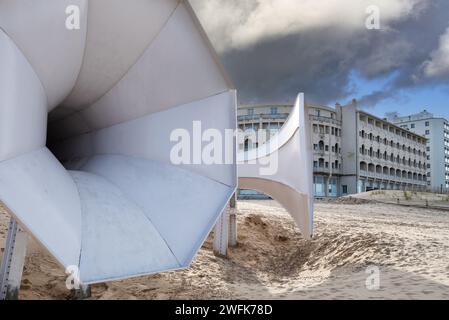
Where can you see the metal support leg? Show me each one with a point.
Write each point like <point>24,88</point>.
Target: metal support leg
<point>233,229</point>
<point>83,292</point>
<point>221,234</point>
<point>233,221</point>
<point>12,262</point>
<point>233,201</point>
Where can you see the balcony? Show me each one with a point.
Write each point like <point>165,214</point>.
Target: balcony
<point>327,171</point>
<point>325,120</point>
<point>320,153</point>
<point>261,117</point>
<point>391,178</point>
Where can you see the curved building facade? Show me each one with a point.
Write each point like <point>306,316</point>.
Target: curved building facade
<point>353,151</point>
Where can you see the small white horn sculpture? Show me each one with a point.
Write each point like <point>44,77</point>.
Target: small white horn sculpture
<point>291,184</point>
<point>116,78</point>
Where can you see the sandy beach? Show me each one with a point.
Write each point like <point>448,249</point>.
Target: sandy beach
<point>408,245</point>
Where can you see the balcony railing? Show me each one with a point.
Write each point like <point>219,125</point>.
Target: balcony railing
<point>258,117</point>
<point>326,170</point>
<point>388,163</point>
<point>381,176</point>
<point>325,119</point>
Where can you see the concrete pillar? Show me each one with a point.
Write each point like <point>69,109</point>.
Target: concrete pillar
<point>233,229</point>
<point>221,234</point>
<point>13,262</point>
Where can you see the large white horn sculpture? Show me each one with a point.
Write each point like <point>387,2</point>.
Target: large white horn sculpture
<point>292,183</point>
<point>115,86</point>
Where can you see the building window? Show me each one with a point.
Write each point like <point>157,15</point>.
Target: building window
<point>321,163</point>
<point>412,126</point>
<point>274,110</point>
<point>427,132</point>
<point>344,189</point>
<point>319,186</point>
<point>251,111</point>
<point>321,145</point>
<point>427,123</point>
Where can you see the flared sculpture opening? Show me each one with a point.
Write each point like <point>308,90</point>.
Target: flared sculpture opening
<point>289,148</point>
<point>85,158</point>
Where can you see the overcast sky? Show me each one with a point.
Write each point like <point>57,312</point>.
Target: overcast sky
<point>274,49</point>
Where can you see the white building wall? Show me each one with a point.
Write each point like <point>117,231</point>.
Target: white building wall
<point>326,129</point>
<point>349,149</point>
<point>437,132</point>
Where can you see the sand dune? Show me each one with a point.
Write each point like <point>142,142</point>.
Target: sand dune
<point>409,246</point>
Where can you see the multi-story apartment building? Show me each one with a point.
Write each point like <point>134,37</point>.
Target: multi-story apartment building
<point>380,155</point>
<point>326,126</point>
<point>353,150</point>
<point>436,130</point>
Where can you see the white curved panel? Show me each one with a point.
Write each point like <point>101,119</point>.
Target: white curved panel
<point>44,199</point>
<point>294,202</point>
<point>23,117</point>
<point>176,68</point>
<point>292,183</point>
<point>39,29</point>
<point>109,235</point>
<point>117,35</point>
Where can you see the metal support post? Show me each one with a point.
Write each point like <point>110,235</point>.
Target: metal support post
<point>13,262</point>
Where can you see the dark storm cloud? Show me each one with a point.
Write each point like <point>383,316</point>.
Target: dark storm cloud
<point>318,59</point>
